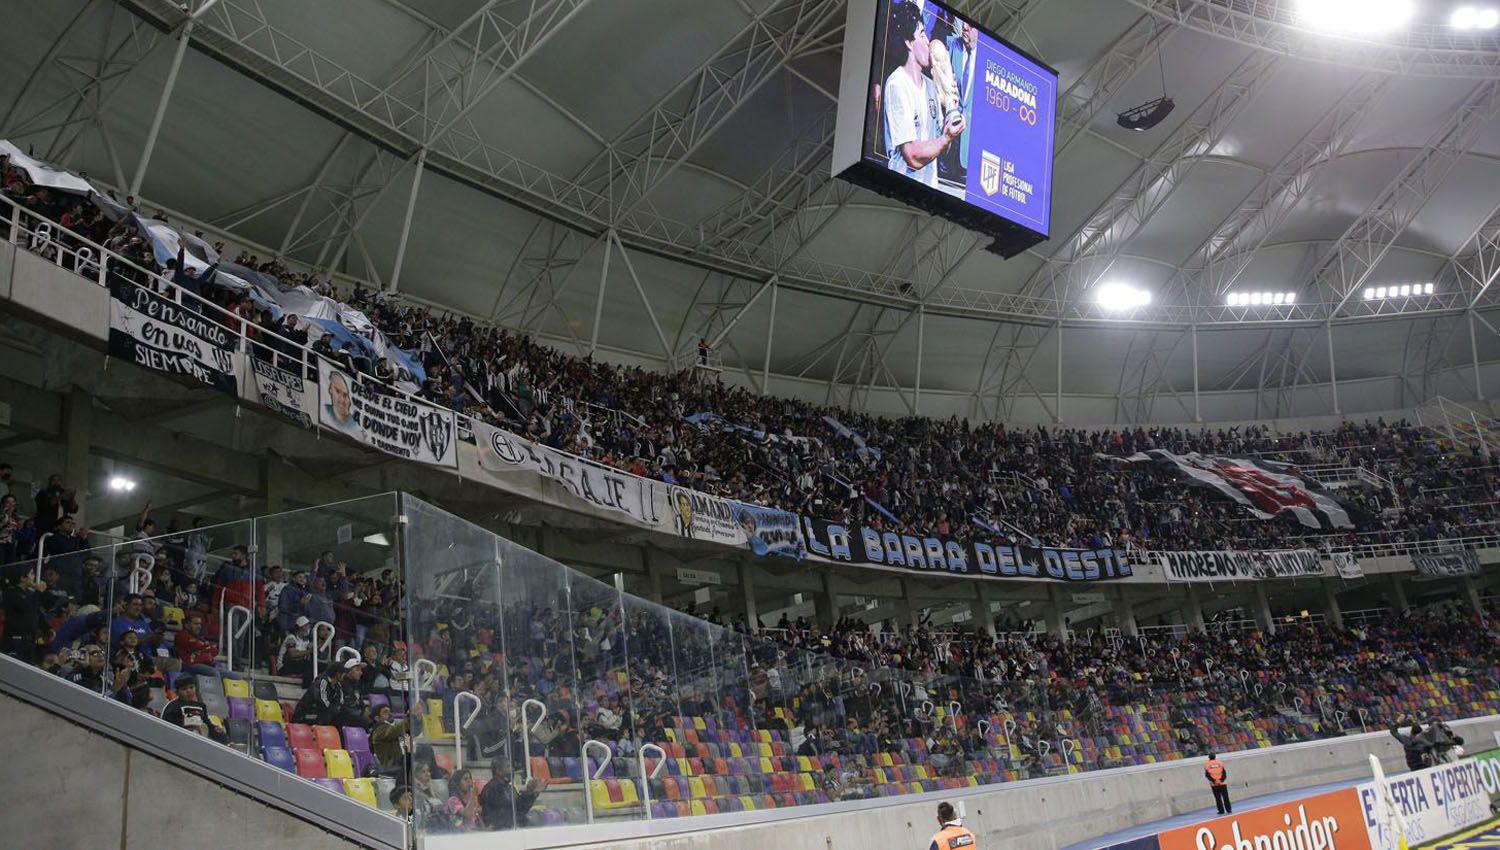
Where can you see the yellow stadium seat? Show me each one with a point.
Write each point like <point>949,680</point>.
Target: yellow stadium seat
<point>432,726</point>
<point>628,795</point>
<point>362,790</point>
<point>237,688</point>
<point>766,766</point>
<point>747,802</point>
<point>699,724</point>
<point>171,615</point>
<point>804,763</point>
<point>268,710</point>
<point>340,766</point>
<point>600,793</point>
<point>765,750</point>
<point>735,751</point>
<point>695,787</point>
<point>698,808</point>
<point>807,782</point>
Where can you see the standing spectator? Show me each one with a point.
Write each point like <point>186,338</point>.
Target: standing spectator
<point>23,616</point>
<point>54,502</point>
<point>64,550</point>
<point>390,740</point>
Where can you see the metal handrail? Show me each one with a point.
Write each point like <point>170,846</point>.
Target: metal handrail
<point>234,633</point>
<point>661,762</point>
<point>419,680</point>
<point>590,776</point>
<point>317,647</point>
<point>41,550</point>
<point>527,728</point>
<point>460,721</point>
<point>138,571</point>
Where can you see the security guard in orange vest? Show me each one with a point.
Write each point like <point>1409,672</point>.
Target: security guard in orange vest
<point>951,835</point>
<point>1218,780</point>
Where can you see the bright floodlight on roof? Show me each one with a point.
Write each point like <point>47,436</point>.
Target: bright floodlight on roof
<point>1404,290</point>
<point>1355,16</point>
<point>121,484</point>
<point>1259,299</point>
<point>1120,296</point>
<point>1474,18</point>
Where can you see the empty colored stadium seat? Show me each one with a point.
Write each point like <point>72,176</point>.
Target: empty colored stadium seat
<point>268,710</point>
<point>338,764</point>
<point>300,736</point>
<point>264,689</point>
<point>327,738</point>
<point>362,790</point>
<point>236,688</point>
<point>270,733</point>
<point>279,757</point>
<point>310,763</point>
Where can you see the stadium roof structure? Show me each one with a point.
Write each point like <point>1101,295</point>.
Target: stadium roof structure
<point>634,176</point>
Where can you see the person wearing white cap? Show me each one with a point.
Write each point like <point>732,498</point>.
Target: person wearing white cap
<point>295,657</point>
<point>333,699</point>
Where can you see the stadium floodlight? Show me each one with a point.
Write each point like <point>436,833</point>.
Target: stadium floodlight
<point>1117,297</point>
<point>1358,17</point>
<point>1260,299</point>
<point>1473,18</point>
<point>121,484</point>
<point>1404,290</point>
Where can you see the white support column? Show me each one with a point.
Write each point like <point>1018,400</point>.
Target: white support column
<point>161,108</point>
<point>1399,602</point>
<point>913,613</point>
<point>1474,353</point>
<point>609,247</point>
<point>1333,374</point>
<point>1192,612</point>
<point>765,368</point>
<point>1197,409</point>
<point>1263,610</point>
<point>1124,610</point>
<point>826,603</point>
<point>1057,416</point>
<point>1056,611</point>
<point>666,348</point>
<point>916,396</point>
<point>1331,610</point>
<point>1471,595</point>
<point>411,208</point>
<point>979,609</point>
<point>78,420</point>
<point>747,590</point>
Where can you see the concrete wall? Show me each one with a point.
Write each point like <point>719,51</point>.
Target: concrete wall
<point>67,787</point>
<point>1042,814</point>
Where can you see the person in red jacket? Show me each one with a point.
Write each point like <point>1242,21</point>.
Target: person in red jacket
<point>195,652</point>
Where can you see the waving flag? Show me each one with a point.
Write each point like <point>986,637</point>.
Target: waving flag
<point>1264,488</point>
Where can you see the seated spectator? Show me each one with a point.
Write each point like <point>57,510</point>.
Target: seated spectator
<point>187,711</point>
<point>295,656</point>
<point>501,805</point>
<point>196,653</point>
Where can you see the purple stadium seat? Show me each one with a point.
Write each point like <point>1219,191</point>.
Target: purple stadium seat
<point>334,785</point>
<point>279,757</point>
<point>270,733</point>
<point>241,708</point>
<point>364,760</point>
<point>355,738</point>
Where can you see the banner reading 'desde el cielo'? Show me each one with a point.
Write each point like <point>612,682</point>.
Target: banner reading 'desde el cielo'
<point>379,417</point>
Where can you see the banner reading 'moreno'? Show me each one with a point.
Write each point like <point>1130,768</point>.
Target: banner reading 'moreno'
<point>381,418</point>
<point>1240,566</point>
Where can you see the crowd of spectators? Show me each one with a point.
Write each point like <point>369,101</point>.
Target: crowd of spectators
<point>959,702</point>
<point>1057,486</point>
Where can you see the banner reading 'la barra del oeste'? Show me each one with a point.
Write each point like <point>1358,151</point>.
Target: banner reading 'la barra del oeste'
<point>996,558</point>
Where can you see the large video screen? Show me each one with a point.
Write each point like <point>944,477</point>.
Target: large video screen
<point>957,110</point>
